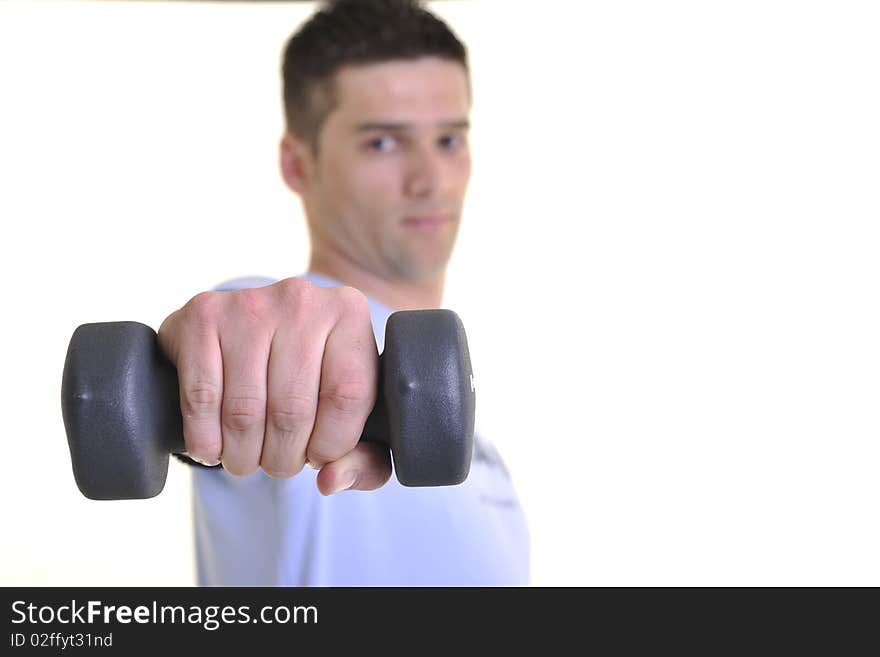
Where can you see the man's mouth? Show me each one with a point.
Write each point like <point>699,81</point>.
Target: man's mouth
<point>427,221</point>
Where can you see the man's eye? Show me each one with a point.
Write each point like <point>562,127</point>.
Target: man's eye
<point>383,144</point>
<point>449,142</point>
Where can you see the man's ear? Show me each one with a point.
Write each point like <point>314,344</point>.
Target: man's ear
<point>296,163</point>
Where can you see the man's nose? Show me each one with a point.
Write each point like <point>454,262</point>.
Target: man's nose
<point>423,172</point>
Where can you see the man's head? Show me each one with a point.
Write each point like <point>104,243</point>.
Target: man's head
<point>377,97</point>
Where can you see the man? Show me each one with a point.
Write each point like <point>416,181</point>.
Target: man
<point>277,375</point>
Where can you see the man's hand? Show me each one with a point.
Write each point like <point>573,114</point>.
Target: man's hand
<point>278,376</point>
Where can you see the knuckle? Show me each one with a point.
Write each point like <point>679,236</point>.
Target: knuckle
<point>241,422</point>
<point>292,407</point>
<point>353,300</point>
<point>204,308</point>
<point>243,411</point>
<point>348,395</point>
<point>292,415</point>
<point>253,303</point>
<point>296,293</point>
<point>200,396</point>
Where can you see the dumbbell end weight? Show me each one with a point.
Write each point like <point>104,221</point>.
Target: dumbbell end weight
<point>428,387</point>
<point>121,410</point>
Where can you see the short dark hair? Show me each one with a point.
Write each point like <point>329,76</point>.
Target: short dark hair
<point>351,32</point>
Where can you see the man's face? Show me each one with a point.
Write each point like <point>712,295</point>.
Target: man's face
<point>387,187</point>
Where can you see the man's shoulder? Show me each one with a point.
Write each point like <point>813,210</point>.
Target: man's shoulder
<point>244,282</point>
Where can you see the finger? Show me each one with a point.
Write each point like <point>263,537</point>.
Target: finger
<point>294,376</point>
<point>243,415</point>
<point>348,386</point>
<point>194,349</point>
<point>366,467</point>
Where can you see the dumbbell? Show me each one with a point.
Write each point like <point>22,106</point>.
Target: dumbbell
<point>121,405</point>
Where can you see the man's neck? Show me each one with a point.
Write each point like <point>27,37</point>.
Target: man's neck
<point>392,294</point>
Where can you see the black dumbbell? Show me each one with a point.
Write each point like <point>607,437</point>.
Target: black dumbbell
<point>121,405</point>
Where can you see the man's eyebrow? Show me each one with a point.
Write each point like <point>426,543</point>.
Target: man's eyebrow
<point>371,126</point>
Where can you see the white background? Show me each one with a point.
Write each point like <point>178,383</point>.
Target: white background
<point>668,270</point>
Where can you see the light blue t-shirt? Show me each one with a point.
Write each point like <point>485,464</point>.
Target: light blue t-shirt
<point>261,531</point>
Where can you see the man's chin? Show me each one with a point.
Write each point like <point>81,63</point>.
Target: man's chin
<point>423,272</point>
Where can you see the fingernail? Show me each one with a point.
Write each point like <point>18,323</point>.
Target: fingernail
<point>346,480</point>
<point>210,463</point>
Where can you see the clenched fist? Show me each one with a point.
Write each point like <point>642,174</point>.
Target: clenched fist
<point>276,377</point>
